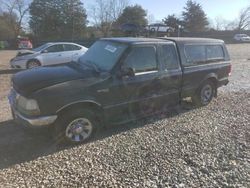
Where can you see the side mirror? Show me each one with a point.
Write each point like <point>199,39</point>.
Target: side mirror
<point>126,72</point>
<point>44,51</point>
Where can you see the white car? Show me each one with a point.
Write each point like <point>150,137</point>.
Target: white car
<point>158,27</point>
<point>48,54</point>
<point>242,37</point>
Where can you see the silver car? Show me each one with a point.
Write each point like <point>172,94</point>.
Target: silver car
<point>242,38</point>
<point>158,27</point>
<point>48,54</point>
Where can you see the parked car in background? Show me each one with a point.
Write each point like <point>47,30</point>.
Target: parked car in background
<point>24,43</point>
<point>48,54</point>
<point>158,27</point>
<point>117,80</point>
<point>242,38</point>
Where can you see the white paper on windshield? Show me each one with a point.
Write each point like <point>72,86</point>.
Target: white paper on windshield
<point>111,48</point>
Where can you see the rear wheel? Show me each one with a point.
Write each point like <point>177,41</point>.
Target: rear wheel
<point>75,127</point>
<point>152,30</point>
<point>205,94</point>
<point>33,64</point>
<point>169,30</point>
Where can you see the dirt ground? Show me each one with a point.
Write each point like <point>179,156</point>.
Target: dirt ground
<point>239,51</point>
<point>5,57</point>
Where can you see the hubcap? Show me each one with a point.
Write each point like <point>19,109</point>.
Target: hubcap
<point>79,130</point>
<point>206,94</point>
<point>33,64</point>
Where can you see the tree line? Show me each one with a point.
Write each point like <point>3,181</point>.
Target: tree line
<point>68,19</point>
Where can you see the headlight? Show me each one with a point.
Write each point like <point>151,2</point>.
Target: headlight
<point>19,59</point>
<point>28,106</point>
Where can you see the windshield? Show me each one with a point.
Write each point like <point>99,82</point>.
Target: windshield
<point>41,47</point>
<point>103,54</point>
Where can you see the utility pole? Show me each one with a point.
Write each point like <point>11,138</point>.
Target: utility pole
<point>179,30</point>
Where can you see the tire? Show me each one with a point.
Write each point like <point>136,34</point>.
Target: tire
<point>75,127</point>
<point>33,64</point>
<point>205,94</point>
<point>152,30</point>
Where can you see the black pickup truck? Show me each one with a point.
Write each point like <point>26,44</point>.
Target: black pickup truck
<point>117,80</point>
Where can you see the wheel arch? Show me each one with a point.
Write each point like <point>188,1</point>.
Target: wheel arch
<point>89,105</point>
<point>33,59</point>
<point>212,78</point>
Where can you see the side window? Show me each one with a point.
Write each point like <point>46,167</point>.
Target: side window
<point>67,47</point>
<point>70,47</point>
<point>215,52</point>
<point>169,57</point>
<point>74,47</point>
<point>142,59</point>
<point>195,54</point>
<point>55,48</point>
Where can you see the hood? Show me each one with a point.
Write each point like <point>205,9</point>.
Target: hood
<point>26,82</point>
<point>25,52</point>
<point>24,55</point>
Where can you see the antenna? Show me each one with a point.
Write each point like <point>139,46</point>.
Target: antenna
<point>73,20</point>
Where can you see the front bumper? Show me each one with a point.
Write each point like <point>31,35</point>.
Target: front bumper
<point>38,121</point>
<point>41,121</point>
<point>18,64</point>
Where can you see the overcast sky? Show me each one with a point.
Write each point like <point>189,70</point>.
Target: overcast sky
<point>227,9</point>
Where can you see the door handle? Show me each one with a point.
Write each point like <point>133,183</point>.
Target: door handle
<point>157,78</point>
<point>60,55</point>
<point>175,77</point>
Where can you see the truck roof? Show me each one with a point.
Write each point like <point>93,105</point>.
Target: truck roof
<point>183,40</point>
<point>134,39</point>
<point>192,40</point>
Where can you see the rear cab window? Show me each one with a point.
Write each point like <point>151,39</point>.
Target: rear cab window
<point>215,52</point>
<point>168,57</point>
<point>198,54</point>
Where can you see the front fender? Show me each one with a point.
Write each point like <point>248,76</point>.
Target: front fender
<point>80,103</point>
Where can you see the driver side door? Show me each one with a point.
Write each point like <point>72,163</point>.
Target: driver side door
<point>134,95</point>
<point>53,55</point>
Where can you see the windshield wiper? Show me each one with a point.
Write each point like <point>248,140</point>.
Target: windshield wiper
<point>91,65</point>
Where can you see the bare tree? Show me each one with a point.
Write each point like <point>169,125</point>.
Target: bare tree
<point>231,25</point>
<point>244,19</point>
<point>150,18</point>
<point>16,10</point>
<point>104,13</point>
<point>219,23</point>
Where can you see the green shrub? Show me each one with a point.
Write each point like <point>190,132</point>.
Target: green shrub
<point>1,45</point>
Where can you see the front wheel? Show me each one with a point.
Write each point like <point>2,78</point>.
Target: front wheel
<point>33,64</point>
<point>204,94</point>
<point>75,127</point>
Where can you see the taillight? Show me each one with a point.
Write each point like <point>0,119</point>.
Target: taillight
<point>230,70</point>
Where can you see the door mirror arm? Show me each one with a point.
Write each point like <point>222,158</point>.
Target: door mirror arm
<point>125,72</point>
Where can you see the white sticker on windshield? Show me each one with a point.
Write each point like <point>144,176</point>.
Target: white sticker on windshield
<point>111,48</point>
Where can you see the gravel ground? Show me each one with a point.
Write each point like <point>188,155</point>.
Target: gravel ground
<point>187,147</point>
